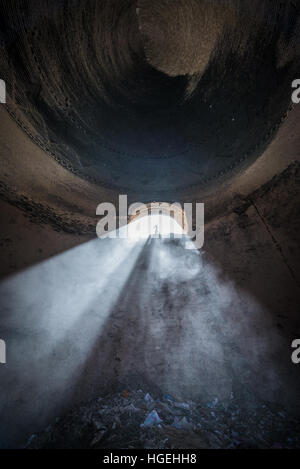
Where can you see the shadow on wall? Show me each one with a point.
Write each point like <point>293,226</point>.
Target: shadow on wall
<point>115,313</point>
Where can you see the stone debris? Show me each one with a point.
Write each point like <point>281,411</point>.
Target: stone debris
<point>139,420</point>
<point>152,419</point>
<point>148,398</point>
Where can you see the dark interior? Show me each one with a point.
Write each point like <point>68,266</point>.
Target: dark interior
<point>172,101</point>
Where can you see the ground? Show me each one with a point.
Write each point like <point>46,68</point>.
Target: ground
<point>137,420</point>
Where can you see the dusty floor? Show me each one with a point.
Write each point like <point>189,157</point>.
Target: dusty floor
<point>137,420</point>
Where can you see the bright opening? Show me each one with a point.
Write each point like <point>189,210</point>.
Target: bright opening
<point>155,226</point>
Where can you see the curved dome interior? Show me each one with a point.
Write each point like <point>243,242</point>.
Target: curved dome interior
<point>159,100</point>
<point>146,96</point>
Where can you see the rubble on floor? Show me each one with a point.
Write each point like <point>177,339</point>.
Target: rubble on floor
<point>138,420</point>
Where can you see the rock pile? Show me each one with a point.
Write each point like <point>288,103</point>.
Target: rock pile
<point>137,420</point>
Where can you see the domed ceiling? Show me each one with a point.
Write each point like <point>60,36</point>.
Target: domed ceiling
<point>150,96</point>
